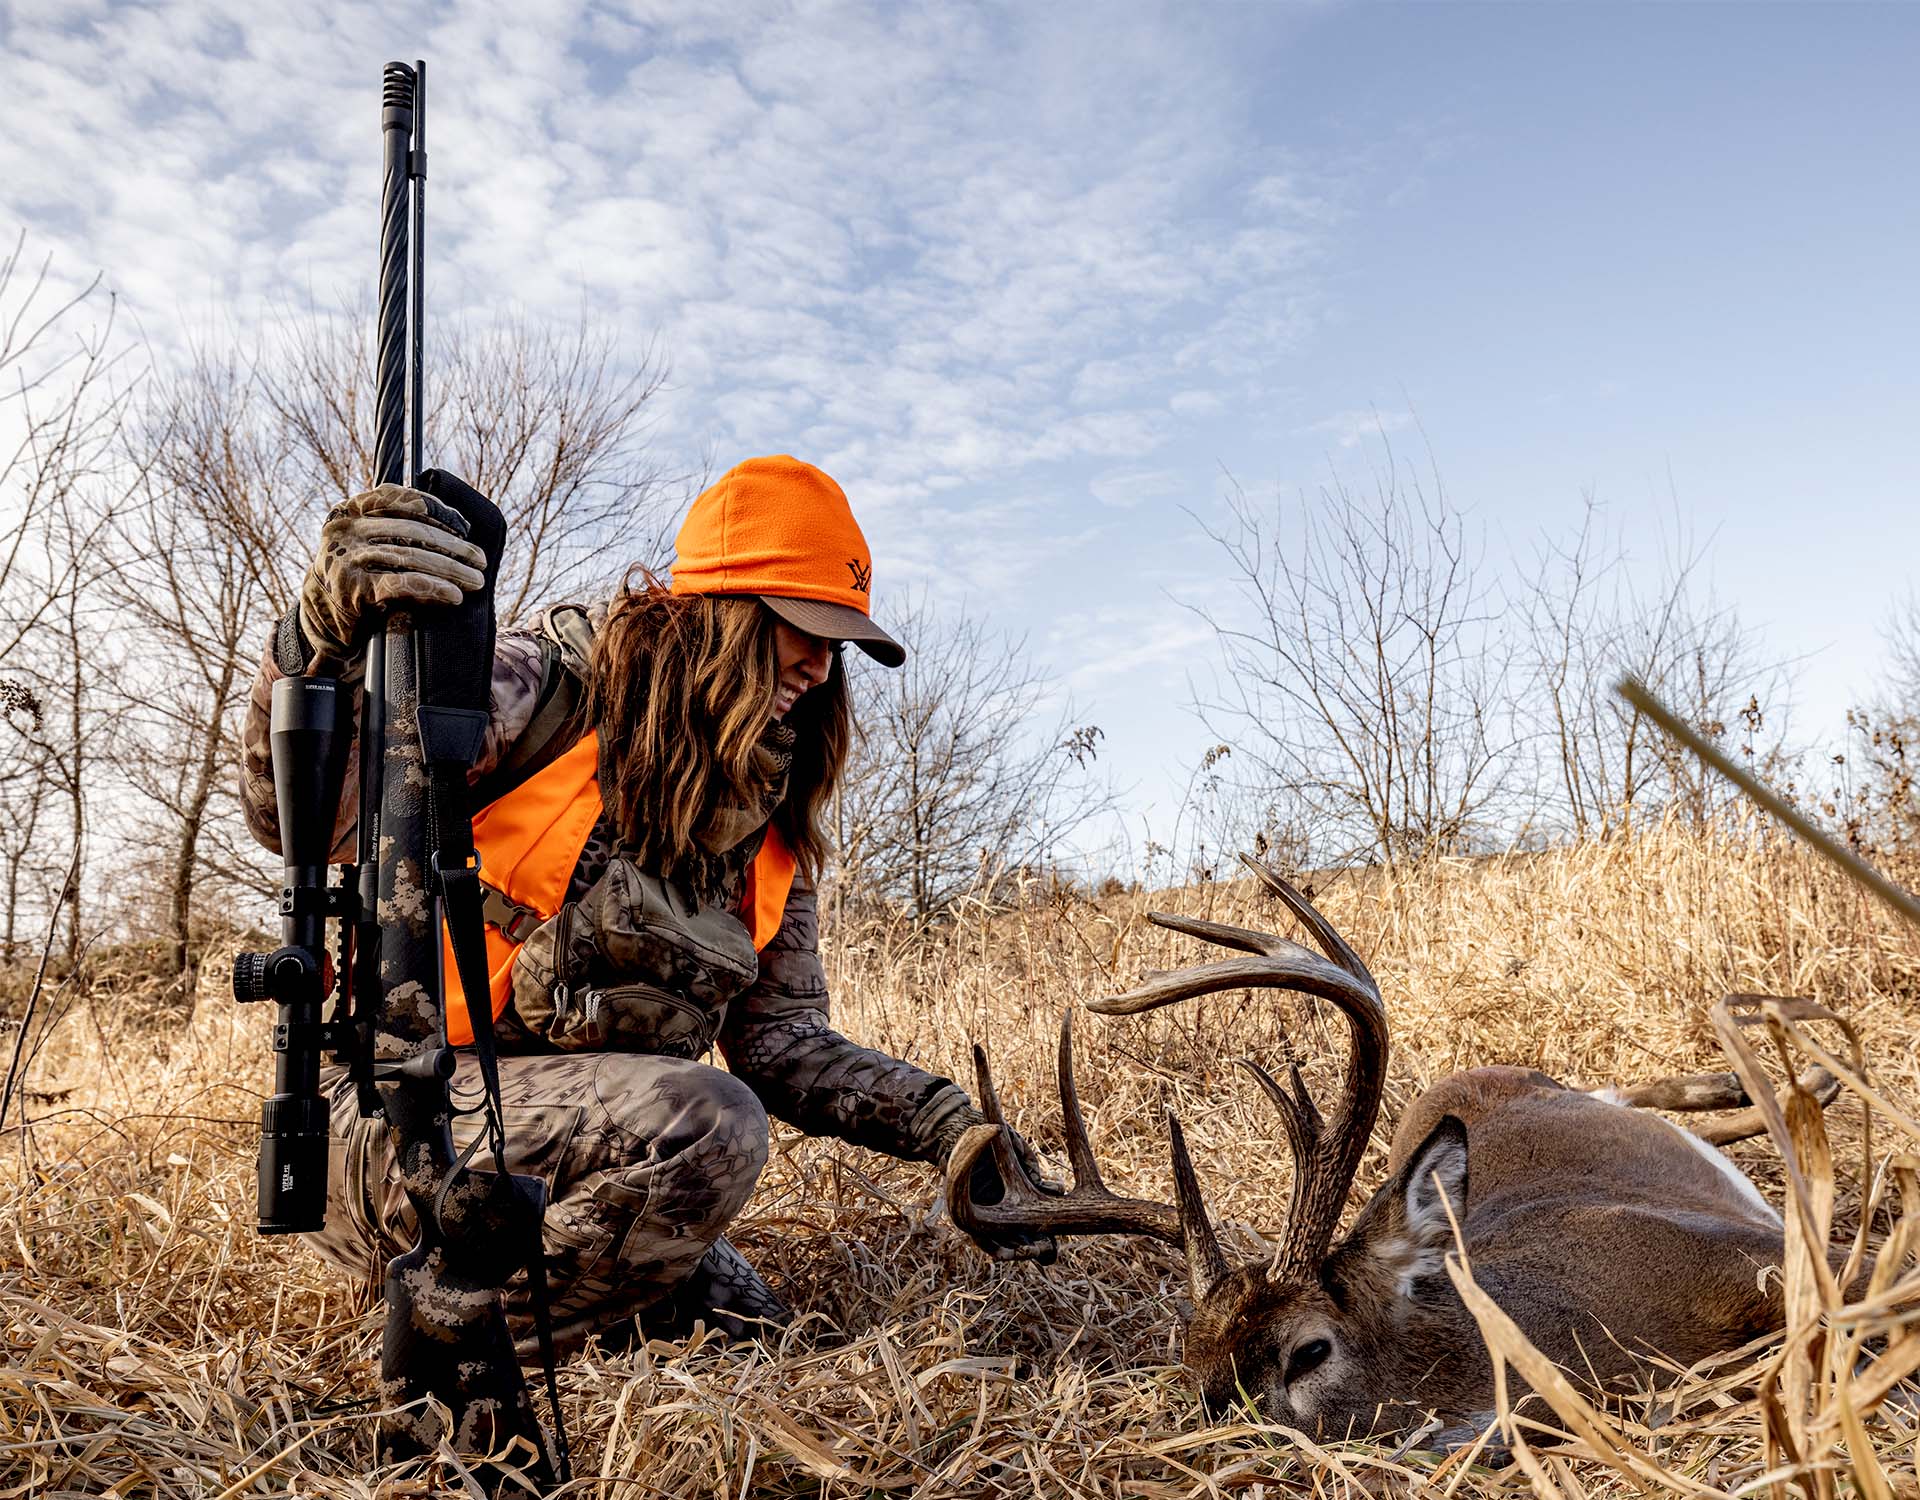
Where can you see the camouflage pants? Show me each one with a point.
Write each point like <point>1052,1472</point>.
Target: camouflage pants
<point>646,1161</point>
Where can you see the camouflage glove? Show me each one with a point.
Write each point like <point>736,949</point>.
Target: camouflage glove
<point>986,1188</point>
<point>388,545</point>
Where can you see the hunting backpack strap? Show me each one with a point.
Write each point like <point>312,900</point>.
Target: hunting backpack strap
<point>516,922</point>
<point>570,628</point>
<point>566,643</point>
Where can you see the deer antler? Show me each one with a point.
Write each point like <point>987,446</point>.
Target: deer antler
<point>1326,1151</point>
<point>1707,1091</point>
<point>1088,1208</point>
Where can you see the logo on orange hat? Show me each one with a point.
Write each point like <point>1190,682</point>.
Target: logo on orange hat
<point>862,574</point>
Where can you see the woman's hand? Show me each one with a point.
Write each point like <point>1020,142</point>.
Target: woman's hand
<point>385,546</point>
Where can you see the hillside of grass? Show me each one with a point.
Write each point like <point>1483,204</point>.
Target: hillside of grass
<point>152,1344</point>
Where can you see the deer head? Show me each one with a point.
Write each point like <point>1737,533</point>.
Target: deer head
<point>1314,1334</point>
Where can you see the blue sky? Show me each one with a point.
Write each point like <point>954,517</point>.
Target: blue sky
<point>1030,279</point>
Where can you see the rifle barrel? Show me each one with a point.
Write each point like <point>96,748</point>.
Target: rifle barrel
<point>417,173</point>
<point>390,355</point>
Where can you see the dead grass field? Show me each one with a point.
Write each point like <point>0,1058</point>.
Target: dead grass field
<point>152,1344</point>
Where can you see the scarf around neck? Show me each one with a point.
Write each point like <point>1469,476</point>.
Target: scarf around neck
<point>730,835</point>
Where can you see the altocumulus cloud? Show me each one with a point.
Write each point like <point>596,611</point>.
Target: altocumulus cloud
<point>945,250</point>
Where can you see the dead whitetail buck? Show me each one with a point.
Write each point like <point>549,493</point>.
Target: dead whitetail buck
<point>1607,1233</point>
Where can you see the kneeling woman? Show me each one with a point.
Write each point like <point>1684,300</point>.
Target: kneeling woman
<point>651,791</point>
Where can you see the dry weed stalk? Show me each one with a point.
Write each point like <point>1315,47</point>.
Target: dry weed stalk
<point>151,1344</point>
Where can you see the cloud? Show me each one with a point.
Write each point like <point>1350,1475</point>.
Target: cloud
<point>1143,646</point>
<point>1124,489</point>
<point>1351,428</point>
<point>1194,403</point>
<point>945,238</point>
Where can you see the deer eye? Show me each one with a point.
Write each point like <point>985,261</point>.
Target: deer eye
<point>1307,1358</point>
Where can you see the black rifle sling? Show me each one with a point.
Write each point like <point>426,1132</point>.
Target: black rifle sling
<point>540,1292</point>
<point>455,675</point>
<point>455,668</point>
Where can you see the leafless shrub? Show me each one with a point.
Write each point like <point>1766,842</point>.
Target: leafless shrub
<point>549,425</point>
<point>1874,798</point>
<point>1361,676</point>
<point>1587,621</point>
<point>959,777</point>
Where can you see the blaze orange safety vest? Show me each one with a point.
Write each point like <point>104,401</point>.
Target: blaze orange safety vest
<point>529,842</point>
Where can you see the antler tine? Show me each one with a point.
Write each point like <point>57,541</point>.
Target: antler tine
<point>1297,970</point>
<point>1004,1156</point>
<point>1206,1263</point>
<point>983,1086</point>
<point>1332,944</point>
<point>1087,1208</point>
<point>1303,1126</point>
<point>1297,1110</point>
<point>1246,939</point>
<point>1086,1171</point>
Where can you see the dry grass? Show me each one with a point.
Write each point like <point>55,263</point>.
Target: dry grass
<point>153,1345</point>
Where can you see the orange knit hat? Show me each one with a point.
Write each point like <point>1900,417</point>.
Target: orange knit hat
<point>782,530</point>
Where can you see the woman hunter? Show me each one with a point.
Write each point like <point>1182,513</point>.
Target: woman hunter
<point>648,810</point>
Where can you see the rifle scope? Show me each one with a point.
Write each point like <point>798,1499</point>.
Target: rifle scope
<point>293,1120</point>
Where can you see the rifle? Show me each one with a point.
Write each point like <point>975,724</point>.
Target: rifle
<point>423,711</point>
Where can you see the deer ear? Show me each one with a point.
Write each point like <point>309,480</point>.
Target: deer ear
<point>1438,1166</point>
<point>1404,1231</point>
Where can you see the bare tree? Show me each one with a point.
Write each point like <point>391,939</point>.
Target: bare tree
<point>550,426</point>
<point>26,788</point>
<point>74,658</point>
<point>1587,621</point>
<point>62,402</point>
<point>958,772</point>
<point>1362,678</point>
<point>194,589</point>
<point>1902,635</point>
<point>45,421</point>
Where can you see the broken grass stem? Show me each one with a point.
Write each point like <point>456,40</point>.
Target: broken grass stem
<point>1837,854</point>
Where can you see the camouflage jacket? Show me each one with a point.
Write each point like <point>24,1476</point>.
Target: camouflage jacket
<point>777,1035</point>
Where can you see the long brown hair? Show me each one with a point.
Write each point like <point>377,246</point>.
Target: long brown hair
<point>682,688</point>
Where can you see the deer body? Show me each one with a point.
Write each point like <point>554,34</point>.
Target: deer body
<point>1607,1234</point>
<point>1623,1246</point>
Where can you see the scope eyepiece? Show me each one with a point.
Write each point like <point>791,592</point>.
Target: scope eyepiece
<point>293,1164</point>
